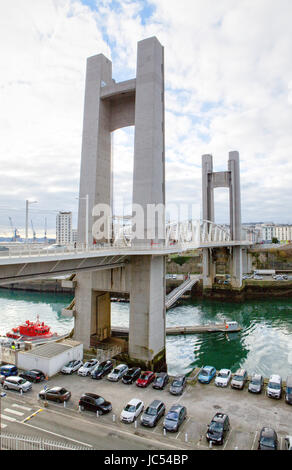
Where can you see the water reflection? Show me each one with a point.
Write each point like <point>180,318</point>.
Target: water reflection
<point>264,345</point>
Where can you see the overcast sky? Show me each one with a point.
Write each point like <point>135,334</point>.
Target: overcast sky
<point>228,74</point>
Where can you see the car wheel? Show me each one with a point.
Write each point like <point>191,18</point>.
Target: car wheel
<point>81,407</point>
<point>5,387</point>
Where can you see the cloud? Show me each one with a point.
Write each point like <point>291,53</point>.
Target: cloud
<point>228,71</point>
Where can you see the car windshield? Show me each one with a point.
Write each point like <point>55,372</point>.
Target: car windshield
<point>70,364</point>
<point>99,401</point>
<point>172,416</point>
<point>100,367</point>
<point>256,381</point>
<point>22,381</point>
<point>144,376</point>
<point>238,377</point>
<point>267,441</point>
<point>62,391</point>
<point>150,411</point>
<point>88,364</point>
<point>204,372</point>
<point>215,427</point>
<point>177,383</point>
<point>116,371</point>
<point>223,375</point>
<point>159,380</point>
<point>130,408</point>
<point>274,385</point>
<point>289,390</point>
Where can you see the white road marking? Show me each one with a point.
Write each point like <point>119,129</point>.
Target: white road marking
<point>8,418</point>
<point>254,439</point>
<point>58,435</point>
<point>227,439</point>
<point>14,412</point>
<point>15,405</point>
<point>117,429</point>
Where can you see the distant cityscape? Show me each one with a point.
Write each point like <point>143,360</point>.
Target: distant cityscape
<point>259,232</point>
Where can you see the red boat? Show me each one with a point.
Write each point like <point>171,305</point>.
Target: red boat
<point>31,331</point>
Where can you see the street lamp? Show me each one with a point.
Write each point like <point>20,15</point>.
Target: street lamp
<point>27,202</point>
<point>86,219</point>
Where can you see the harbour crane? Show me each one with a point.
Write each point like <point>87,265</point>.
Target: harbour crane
<point>15,234</point>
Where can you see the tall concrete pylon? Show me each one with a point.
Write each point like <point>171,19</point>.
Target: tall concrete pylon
<point>109,106</point>
<point>223,179</point>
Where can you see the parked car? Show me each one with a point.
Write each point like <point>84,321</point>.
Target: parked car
<point>71,366</point>
<point>145,379</point>
<point>102,369</point>
<point>174,418</point>
<point>256,383</point>
<point>17,383</point>
<point>218,428</point>
<point>206,374</point>
<point>8,369</point>
<point>239,379</point>
<point>132,410</point>
<point>288,443</point>
<point>96,403</point>
<point>288,392</point>
<point>178,385</point>
<point>274,387</point>
<point>268,439</point>
<point>58,394</point>
<point>132,375</point>
<point>33,375</point>
<point>223,378</point>
<point>118,372</point>
<point>160,381</point>
<point>88,367</point>
<point>153,413</point>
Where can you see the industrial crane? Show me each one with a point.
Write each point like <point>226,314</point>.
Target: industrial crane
<point>15,234</point>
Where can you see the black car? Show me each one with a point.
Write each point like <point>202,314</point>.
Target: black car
<point>268,439</point>
<point>132,375</point>
<point>160,381</point>
<point>100,371</point>
<point>218,428</point>
<point>153,413</point>
<point>174,418</point>
<point>33,375</point>
<point>96,403</point>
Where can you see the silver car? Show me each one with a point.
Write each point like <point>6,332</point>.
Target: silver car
<point>71,367</point>
<point>17,383</point>
<point>118,372</point>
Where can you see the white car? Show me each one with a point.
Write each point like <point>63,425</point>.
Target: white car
<point>132,410</point>
<point>88,367</point>
<point>118,372</point>
<point>223,378</point>
<point>71,367</point>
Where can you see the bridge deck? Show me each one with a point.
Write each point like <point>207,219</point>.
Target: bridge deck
<point>183,330</point>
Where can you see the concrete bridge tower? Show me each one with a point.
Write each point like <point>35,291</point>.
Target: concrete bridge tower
<point>223,179</point>
<point>110,106</point>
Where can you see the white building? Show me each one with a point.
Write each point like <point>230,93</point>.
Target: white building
<point>282,232</point>
<point>64,228</point>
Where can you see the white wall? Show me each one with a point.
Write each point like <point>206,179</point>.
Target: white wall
<point>50,366</point>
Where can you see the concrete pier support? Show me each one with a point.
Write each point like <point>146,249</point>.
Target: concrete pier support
<point>147,312</point>
<point>93,312</point>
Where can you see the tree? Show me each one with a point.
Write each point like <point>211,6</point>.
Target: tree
<point>275,240</point>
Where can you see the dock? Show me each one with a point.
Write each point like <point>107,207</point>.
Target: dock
<point>228,327</point>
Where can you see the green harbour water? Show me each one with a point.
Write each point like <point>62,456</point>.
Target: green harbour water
<point>263,345</point>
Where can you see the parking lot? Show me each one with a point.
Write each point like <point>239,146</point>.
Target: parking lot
<point>248,413</point>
